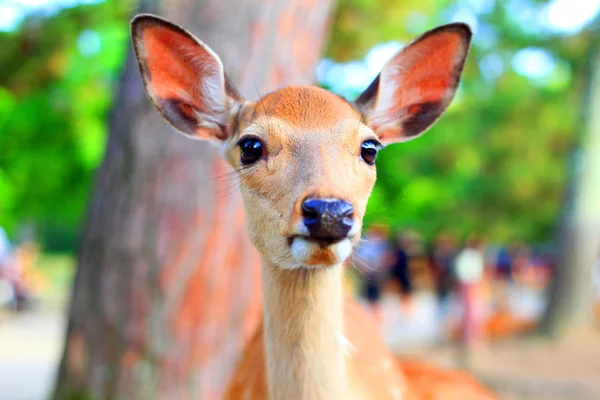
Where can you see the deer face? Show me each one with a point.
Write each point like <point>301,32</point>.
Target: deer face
<point>306,165</point>
<point>304,156</point>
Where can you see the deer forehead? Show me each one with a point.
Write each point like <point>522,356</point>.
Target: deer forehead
<point>306,107</point>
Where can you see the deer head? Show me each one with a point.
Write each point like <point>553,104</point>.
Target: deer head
<point>305,157</point>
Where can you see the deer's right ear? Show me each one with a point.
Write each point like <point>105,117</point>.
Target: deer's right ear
<point>184,79</point>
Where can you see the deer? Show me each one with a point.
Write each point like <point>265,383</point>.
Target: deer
<point>305,158</point>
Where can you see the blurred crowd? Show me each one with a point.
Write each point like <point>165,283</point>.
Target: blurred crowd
<point>481,289</point>
<point>16,292</point>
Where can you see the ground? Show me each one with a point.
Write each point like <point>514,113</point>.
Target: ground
<point>524,369</point>
<point>529,369</point>
<point>30,347</point>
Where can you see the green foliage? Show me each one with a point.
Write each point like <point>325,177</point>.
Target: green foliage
<point>496,163</point>
<point>361,24</point>
<point>58,76</point>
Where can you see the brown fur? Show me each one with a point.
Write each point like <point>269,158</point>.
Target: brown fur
<point>306,107</point>
<point>369,364</point>
<point>372,370</point>
<point>313,344</point>
<point>303,158</point>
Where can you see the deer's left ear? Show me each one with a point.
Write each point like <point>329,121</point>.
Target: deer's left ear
<point>416,86</point>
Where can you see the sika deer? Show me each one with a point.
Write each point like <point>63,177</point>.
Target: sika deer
<point>306,162</point>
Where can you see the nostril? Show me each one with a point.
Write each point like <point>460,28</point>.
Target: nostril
<point>312,209</point>
<point>345,209</point>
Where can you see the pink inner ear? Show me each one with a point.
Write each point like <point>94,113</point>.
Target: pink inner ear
<point>425,72</point>
<point>176,65</point>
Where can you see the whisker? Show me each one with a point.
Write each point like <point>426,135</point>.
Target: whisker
<point>232,188</point>
<point>230,174</point>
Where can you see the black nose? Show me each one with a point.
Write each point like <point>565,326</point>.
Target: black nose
<point>327,219</point>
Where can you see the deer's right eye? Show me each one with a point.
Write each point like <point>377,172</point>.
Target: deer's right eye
<point>251,150</point>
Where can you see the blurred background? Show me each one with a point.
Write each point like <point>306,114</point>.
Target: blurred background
<point>482,238</point>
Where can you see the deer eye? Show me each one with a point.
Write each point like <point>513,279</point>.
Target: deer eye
<point>251,150</point>
<point>368,151</point>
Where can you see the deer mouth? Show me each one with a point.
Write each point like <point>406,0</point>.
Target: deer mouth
<point>319,252</point>
<point>323,242</point>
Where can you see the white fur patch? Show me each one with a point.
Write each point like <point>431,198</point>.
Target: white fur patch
<point>342,249</point>
<point>303,250</point>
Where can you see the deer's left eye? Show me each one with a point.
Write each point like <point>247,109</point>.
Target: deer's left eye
<point>368,151</point>
<point>251,150</point>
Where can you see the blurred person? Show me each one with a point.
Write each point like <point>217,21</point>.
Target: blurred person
<point>502,274</point>
<point>26,256</point>
<point>6,288</point>
<point>470,266</point>
<point>5,248</point>
<point>442,256</point>
<point>534,271</point>
<point>373,255</point>
<point>420,274</point>
<point>401,267</point>
<point>521,258</point>
<point>14,291</point>
<point>504,265</point>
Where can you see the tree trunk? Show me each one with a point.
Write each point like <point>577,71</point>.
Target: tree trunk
<point>168,285</point>
<point>570,305</point>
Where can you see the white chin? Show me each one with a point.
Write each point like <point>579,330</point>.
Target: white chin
<point>310,254</point>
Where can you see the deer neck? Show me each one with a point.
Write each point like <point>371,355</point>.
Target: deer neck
<point>303,326</point>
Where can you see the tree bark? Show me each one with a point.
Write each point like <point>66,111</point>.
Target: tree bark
<point>168,285</point>
<point>570,307</point>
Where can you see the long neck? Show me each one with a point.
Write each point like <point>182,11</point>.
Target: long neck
<point>303,324</point>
